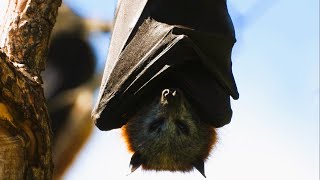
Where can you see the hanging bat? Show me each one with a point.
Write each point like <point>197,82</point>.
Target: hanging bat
<point>167,134</point>
<point>168,79</point>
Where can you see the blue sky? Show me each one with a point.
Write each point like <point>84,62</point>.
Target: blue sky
<point>274,133</point>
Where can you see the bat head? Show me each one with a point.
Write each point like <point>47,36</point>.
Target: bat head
<point>167,134</point>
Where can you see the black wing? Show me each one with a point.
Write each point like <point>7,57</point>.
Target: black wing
<point>168,43</point>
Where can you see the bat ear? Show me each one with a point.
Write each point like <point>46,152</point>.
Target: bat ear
<point>199,165</point>
<point>136,162</point>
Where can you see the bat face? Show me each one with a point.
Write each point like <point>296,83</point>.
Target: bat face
<point>166,134</point>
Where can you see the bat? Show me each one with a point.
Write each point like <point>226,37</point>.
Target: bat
<point>182,47</point>
<point>167,134</point>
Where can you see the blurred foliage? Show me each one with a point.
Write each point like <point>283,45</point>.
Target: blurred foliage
<point>69,82</point>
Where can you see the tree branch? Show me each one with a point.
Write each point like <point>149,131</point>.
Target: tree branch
<point>25,135</point>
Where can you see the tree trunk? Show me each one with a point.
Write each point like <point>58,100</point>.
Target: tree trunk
<point>25,135</point>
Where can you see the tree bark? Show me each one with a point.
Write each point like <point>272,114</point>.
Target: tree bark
<point>25,135</point>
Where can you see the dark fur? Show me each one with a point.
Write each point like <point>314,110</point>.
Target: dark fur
<point>168,135</point>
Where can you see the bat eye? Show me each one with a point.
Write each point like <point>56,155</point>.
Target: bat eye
<point>156,125</point>
<point>182,128</point>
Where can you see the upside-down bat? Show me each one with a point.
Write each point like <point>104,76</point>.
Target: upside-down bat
<point>167,134</point>
<point>168,79</point>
